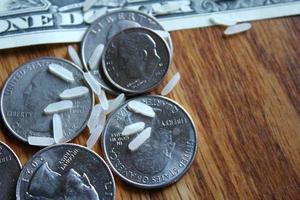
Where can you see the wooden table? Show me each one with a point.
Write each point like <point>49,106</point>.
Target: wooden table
<point>243,93</point>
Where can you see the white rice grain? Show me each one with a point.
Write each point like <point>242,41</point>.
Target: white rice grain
<point>95,117</point>
<point>61,72</point>
<point>91,16</point>
<point>58,107</point>
<point>141,108</point>
<point>163,34</point>
<point>40,141</point>
<point>103,100</point>
<point>92,82</point>
<point>74,92</point>
<point>168,7</point>
<point>96,57</point>
<point>74,56</point>
<point>223,21</point>
<point>96,132</point>
<point>140,139</point>
<point>133,128</point>
<point>238,28</point>
<point>87,15</point>
<point>94,136</point>
<point>171,84</point>
<point>58,132</point>
<point>88,4</point>
<point>115,103</point>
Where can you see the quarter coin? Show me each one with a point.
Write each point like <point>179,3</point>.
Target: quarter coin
<point>66,171</point>
<point>31,88</point>
<point>164,157</point>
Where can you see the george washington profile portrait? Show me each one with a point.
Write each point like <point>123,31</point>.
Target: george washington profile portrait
<point>154,155</point>
<point>42,90</point>
<point>49,185</point>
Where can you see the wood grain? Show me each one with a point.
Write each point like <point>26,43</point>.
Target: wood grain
<point>243,93</point>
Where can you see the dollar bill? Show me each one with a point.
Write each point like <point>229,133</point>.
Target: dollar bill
<point>31,22</point>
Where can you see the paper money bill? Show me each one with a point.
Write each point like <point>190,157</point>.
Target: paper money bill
<point>31,22</point>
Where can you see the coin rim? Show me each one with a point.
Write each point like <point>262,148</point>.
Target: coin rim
<point>120,87</point>
<point>64,144</point>
<point>141,185</point>
<point>7,81</point>
<point>16,159</point>
<point>82,44</point>
<point>110,89</point>
<point>14,153</point>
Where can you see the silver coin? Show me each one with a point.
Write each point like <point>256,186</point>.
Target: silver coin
<point>136,60</point>
<point>66,171</point>
<point>101,31</point>
<point>30,88</point>
<point>165,157</point>
<point>10,168</point>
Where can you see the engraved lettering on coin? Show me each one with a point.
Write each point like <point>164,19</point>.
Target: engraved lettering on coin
<point>136,60</point>
<point>163,158</point>
<point>119,26</point>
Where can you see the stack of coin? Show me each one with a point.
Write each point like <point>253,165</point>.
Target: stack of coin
<point>136,56</point>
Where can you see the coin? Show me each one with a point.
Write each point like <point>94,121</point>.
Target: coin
<point>28,91</point>
<point>66,171</point>
<point>165,157</point>
<point>10,168</point>
<point>136,60</point>
<point>108,25</point>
